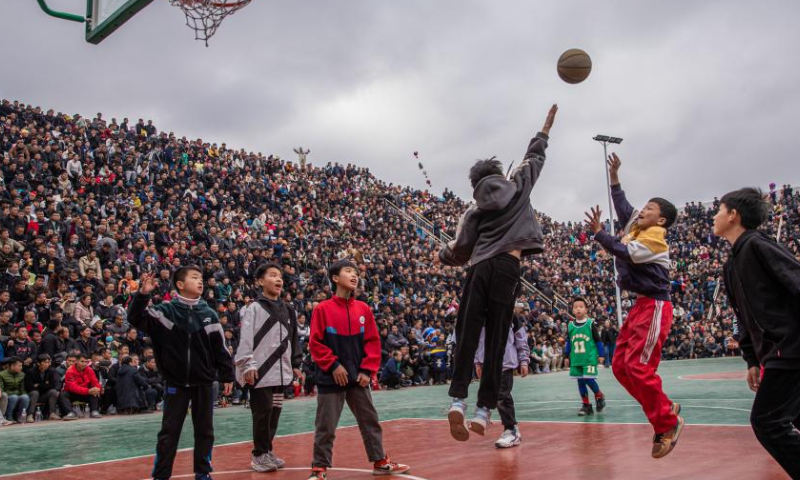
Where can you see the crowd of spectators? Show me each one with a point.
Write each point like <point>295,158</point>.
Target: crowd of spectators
<point>88,205</point>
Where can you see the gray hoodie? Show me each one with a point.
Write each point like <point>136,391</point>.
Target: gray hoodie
<point>501,219</point>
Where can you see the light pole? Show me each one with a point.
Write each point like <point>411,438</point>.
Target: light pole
<point>605,140</point>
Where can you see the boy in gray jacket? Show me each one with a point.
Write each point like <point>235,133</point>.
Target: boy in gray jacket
<point>267,359</point>
<point>492,237</point>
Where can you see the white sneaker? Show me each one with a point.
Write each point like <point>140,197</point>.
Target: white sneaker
<point>456,417</point>
<point>481,421</point>
<point>276,460</point>
<point>509,438</point>
<point>262,463</point>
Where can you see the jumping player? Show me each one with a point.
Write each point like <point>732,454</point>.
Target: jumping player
<point>493,235</point>
<point>642,260</point>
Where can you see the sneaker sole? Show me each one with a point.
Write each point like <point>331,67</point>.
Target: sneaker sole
<point>477,427</point>
<point>457,428</point>
<point>399,471</point>
<point>262,469</point>
<point>675,440</point>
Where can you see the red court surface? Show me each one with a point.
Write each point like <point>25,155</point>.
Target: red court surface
<point>563,451</point>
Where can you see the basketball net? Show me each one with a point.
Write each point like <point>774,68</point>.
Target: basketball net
<point>205,16</point>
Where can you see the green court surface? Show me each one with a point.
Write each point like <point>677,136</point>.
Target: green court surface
<point>724,400</point>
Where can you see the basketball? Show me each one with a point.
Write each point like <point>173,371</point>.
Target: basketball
<point>574,65</point>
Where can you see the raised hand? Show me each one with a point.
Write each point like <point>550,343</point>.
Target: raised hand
<point>613,168</point>
<point>148,283</point>
<point>593,219</point>
<point>551,116</point>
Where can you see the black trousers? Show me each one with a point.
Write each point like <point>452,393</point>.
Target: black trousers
<point>265,406</point>
<point>487,301</point>
<point>505,404</point>
<point>68,397</point>
<point>176,405</point>
<point>776,416</point>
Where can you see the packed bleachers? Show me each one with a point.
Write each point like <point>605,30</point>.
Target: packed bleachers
<point>88,205</point>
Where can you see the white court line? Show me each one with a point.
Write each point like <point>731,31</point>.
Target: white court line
<point>335,469</point>
<point>569,422</point>
<point>150,455</point>
<point>683,377</point>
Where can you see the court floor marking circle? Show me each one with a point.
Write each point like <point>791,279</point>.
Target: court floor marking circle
<point>341,469</point>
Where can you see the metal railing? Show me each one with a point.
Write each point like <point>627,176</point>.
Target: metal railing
<point>557,302</point>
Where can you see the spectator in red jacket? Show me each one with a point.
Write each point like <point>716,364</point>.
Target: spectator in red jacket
<point>81,385</point>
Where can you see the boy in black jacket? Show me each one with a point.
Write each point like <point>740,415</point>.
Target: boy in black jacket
<point>762,280</point>
<point>189,346</point>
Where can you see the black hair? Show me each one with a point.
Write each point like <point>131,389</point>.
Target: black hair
<point>338,266</point>
<point>262,269</point>
<point>580,299</point>
<point>667,209</point>
<point>749,203</point>
<point>72,355</point>
<point>126,360</point>
<point>484,168</point>
<point>12,360</point>
<point>43,358</point>
<point>80,356</point>
<point>183,272</point>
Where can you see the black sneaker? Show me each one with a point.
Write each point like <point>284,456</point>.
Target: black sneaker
<point>586,410</point>
<point>601,404</point>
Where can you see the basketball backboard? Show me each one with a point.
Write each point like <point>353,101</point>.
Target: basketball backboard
<point>102,18</point>
<point>105,16</point>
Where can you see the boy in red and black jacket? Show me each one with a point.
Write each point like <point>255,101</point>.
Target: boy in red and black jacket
<point>346,348</point>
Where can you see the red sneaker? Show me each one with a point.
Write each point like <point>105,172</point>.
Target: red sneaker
<point>318,473</point>
<point>388,467</point>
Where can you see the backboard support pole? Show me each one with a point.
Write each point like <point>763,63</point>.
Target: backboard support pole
<point>62,15</point>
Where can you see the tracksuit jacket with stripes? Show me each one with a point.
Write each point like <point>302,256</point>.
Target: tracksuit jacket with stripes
<point>188,341</point>
<point>269,343</point>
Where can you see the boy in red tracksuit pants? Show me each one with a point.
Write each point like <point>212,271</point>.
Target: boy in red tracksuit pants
<point>345,345</point>
<point>643,264</point>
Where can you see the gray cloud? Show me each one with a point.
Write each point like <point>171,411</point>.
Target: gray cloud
<point>704,93</point>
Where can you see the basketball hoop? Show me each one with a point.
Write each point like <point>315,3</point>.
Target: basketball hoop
<point>204,16</point>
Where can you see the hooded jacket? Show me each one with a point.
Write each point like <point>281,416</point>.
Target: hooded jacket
<point>501,219</point>
<point>762,280</point>
<point>269,343</point>
<point>188,341</point>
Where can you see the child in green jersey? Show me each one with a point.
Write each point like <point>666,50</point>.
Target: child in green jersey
<point>584,348</point>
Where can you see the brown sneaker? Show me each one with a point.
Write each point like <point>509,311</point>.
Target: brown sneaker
<point>663,443</point>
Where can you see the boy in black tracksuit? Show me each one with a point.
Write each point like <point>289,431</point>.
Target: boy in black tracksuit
<point>762,280</point>
<point>189,346</point>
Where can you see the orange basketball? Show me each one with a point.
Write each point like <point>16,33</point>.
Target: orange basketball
<point>574,65</point>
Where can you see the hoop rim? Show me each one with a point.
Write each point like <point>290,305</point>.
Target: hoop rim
<point>240,3</point>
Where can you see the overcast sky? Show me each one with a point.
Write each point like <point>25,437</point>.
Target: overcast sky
<point>705,94</point>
